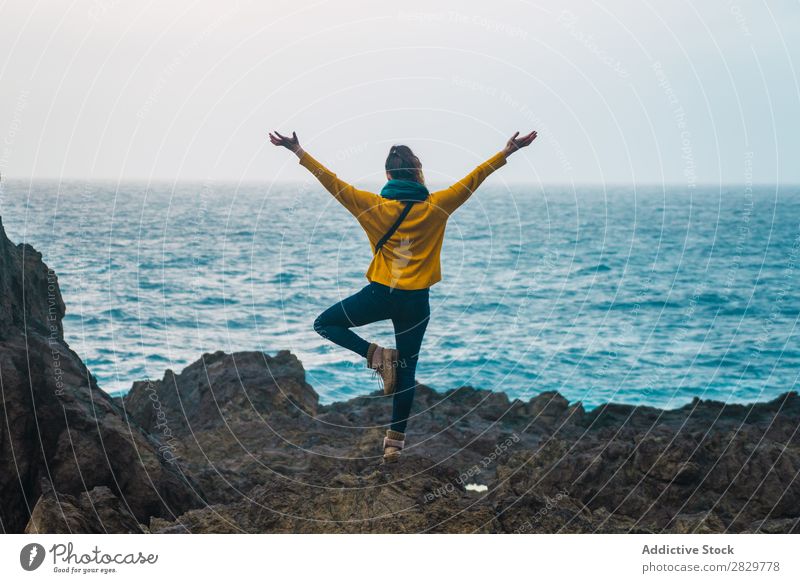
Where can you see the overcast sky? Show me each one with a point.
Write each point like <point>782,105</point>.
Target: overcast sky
<point>682,92</point>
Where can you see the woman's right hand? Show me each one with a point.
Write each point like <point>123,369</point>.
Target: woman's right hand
<point>292,143</point>
<point>515,142</point>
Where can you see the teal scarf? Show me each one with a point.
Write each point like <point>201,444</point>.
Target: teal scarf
<point>405,190</point>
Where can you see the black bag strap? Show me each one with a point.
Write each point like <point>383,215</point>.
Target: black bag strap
<point>393,228</point>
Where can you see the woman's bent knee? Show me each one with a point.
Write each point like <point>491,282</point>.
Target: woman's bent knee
<point>319,325</point>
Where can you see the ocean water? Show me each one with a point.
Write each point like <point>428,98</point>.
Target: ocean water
<point>647,295</point>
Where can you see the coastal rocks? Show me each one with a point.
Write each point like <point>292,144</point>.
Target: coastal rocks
<point>537,466</point>
<point>97,511</point>
<point>220,386</point>
<point>55,422</point>
<point>277,428</point>
<point>231,420</point>
<point>691,463</point>
<point>353,499</point>
<point>29,294</point>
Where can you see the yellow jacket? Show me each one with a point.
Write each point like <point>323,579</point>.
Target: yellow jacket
<point>410,258</point>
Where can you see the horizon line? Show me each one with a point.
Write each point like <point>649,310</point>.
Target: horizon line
<point>266,181</point>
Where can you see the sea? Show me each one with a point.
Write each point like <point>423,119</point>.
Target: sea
<point>639,294</point>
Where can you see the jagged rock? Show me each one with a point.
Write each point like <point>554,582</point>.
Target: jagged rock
<point>780,526</point>
<point>98,511</point>
<point>622,469</point>
<point>697,523</point>
<point>687,468</point>
<point>54,420</point>
<point>29,295</point>
<point>220,385</point>
<point>416,496</point>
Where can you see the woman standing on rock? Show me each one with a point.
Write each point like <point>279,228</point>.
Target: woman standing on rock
<point>405,225</point>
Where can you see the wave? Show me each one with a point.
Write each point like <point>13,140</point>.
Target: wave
<point>599,268</point>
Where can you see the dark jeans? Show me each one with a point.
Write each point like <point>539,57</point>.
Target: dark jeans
<point>409,311</point>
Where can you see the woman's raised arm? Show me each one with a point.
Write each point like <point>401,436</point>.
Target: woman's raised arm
<point>354,200</point>
<point>452,198</point>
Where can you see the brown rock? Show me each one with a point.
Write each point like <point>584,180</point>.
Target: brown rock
<point>55,422</point>
<point>98,511</point>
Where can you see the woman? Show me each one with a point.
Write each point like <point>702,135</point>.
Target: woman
<point>405,225</point>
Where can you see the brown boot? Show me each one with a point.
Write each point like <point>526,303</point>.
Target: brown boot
<point>393,444</point>
<point>384,362</point>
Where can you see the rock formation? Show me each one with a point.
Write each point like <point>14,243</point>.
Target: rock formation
<point>56,425</point>
<point>273,460</point>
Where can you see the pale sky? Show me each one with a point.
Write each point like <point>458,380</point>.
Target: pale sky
<point>624,91</point>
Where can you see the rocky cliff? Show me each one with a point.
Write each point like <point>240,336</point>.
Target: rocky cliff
<point>272,460</point>
<point>61,436</point>
<point>239,443</point>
